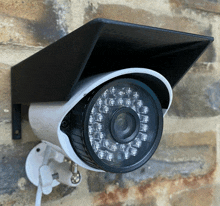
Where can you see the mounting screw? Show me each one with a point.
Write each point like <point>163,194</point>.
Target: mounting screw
<point>17,132</point>
<point>66,159</point>
<point>64,124</point>
<point>76,177</point>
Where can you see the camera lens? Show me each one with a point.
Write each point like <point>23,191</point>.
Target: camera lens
<point>121,126</point>
<point>124,125</point>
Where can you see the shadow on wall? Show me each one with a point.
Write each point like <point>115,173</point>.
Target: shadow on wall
<point>51,25</point>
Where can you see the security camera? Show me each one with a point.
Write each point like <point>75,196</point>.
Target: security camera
<point>98,97</point>
<point>112,122</point>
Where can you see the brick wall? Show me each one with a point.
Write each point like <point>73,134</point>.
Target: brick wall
<point>185,170</point>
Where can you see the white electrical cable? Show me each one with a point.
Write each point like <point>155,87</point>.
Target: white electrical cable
<point>39,189</point>
<point>38,196</point>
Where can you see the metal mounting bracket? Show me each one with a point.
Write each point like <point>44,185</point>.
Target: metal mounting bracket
<point>16,121</point>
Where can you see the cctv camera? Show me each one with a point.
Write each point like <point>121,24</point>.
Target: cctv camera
<point>98,97</point>
<point>112,122</point>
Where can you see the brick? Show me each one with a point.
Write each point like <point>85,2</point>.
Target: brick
<point>187,125</point>
<point>203,5</point>
<point>144,17</point>
<point>14,31</point>
<point>172,163</point>
<point>13,54</point>
<point>191,139</point>
<point>164,191</point>
<point>203,68</point>
<point>12,168</point>
<point>5,91</point>
<point>196,96</point>
<point>185,154</point>
<point>25,9</point>
<point>216,195</point>
<point>124,196</point>
<point>199,197</point>
<point>33,23</point>
<point>150,201</point>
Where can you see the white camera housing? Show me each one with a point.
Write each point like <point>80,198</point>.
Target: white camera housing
<point>46,118</point>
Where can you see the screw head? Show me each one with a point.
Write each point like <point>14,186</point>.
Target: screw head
<point>64,124</point>
<point>76,177</point>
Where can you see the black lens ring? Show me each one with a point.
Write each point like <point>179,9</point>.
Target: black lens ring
<point>137,124</point>
<point>158,135</point>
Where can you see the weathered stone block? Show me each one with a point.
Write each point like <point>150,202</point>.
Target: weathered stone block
<point>35,23</point>
<point>144,17</point>
<point>25,9</point>
<point>196,96</point>
<point>203,68</point>
<point>158,191</point>
<point>216,194</point>
<point>13,54</point>
<point>203,5</point>
<point>12,159</point>
<point>185,154</point>
<point>199,197</point>
<point>5,92</point>
<point>189,139</point>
